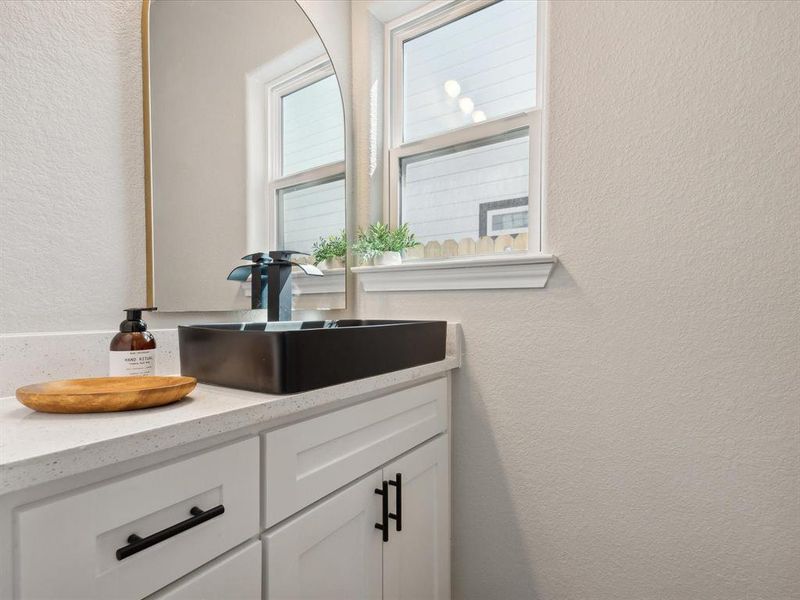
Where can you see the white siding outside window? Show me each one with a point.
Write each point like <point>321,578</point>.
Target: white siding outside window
<point>310,212</point>
<point>464,129</point>
<point>442,193</point>
<point>479,67</point>
<point>312,126</point>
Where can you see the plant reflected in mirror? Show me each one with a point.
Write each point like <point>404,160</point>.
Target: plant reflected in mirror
<point>330,252</point>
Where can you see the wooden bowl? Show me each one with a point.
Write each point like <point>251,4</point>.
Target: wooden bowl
<point>104,394</point>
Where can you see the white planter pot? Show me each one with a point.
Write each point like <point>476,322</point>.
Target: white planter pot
<point>331,263</point>
<point>388,258</point>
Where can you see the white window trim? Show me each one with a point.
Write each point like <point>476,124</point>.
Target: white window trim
<point>417,23</point>
<point>529,269</point>
<point>490,272</point>
<point>303,76</point>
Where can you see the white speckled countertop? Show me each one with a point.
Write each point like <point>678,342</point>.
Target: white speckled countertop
<point>37,447</point>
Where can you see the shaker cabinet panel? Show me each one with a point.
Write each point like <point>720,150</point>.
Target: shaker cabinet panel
<point>330,552</point>
<point>235,576</point>
<point>416,559</point>
<point>306,461</point>
<point>131,536</point>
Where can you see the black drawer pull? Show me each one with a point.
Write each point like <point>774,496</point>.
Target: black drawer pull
<point>137,544</point>
<point>397,515</point>
<point>383,491</point>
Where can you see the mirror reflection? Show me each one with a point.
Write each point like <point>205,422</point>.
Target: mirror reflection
<point>246,156</point>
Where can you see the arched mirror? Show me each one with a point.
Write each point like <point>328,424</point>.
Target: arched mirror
<point>245,147</point>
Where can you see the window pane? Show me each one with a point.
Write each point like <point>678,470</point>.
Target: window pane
<point>313,126</point>
<point>459,192</point>
<point>501,220</point>
<point>479,67</point>
<point>308,213</point>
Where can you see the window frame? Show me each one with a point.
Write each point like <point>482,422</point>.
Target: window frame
<point>307,74</point>
<point>417,23</point>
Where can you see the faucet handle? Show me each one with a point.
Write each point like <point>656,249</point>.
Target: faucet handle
<point>272,256</point>
<point>258,257</point>
<point>284,254</point>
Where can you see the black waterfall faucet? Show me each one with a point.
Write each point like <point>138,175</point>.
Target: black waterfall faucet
<point>271,272</point>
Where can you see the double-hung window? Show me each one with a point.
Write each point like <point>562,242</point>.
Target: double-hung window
<point>464,127</point>
<point>306,186</point>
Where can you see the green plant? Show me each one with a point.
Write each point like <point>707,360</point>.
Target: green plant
<point>333,246</point>
<point>402,238</point>
<point>379,238</point>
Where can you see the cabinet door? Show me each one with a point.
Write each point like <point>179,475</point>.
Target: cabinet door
<point>235,576</point>
<point>307,461</point>
<point>332,551</point>
<point>416,559</point>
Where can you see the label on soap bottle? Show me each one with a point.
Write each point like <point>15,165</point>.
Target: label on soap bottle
<point>131,362</point>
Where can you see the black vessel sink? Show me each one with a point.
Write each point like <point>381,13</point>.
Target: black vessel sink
<point>294,356</point>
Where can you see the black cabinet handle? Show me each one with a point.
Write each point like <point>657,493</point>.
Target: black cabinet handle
<point>397,515</point>
<point>383,491</point>
<point>137,544</point>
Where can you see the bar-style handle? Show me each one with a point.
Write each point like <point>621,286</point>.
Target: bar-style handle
<point>383,491</point>
<point>397,515</point>
<point>137,544</point>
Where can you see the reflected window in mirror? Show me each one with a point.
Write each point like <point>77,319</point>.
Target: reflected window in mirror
<point>312,126</point>
<point>306,148</point>
<point>244,148</point>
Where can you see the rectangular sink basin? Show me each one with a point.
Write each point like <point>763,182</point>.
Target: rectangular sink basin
<point>295,356</point>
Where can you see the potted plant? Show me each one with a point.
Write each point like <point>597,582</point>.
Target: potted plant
<point>382,245</point>
<point>329,252</point>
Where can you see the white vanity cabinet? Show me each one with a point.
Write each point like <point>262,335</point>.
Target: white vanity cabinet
<point>416,559</point>
<point>235,576</point>
<point>350,503</point>
<point>81,546</point>
<point>308,460</point>
<point>335,551</point>
<point>331,551</point>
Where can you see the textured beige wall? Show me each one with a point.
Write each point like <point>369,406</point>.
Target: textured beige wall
<point>632,431</point>
<point>71,170</point>
<point>71,184</point>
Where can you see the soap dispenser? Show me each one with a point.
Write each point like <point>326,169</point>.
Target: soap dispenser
<point>133,349</point>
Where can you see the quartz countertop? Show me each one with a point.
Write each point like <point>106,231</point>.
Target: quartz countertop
<point>37,448</point>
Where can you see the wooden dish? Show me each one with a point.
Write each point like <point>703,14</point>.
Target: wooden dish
<point>104,394</point>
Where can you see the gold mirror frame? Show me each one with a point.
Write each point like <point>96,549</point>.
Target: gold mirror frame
<point>147,147</point>
<point>148,183</point>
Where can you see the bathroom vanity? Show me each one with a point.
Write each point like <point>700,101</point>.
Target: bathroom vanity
<point>338,492</point>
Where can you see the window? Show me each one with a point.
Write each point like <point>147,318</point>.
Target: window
<point>464,126</point>
<point>306,192</point>
<point>503,217</point>
<point>312,126</point>
<point>308,212</point>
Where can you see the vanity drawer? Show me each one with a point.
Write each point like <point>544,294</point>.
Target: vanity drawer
<point>78,546</point>
<point>235,576</point>
<point>308,460</point>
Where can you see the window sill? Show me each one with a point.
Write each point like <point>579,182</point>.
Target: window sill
<point>504,271</point>
<point>331,283</point>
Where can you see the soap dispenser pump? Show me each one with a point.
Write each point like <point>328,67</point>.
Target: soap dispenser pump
<point>133,349</point>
